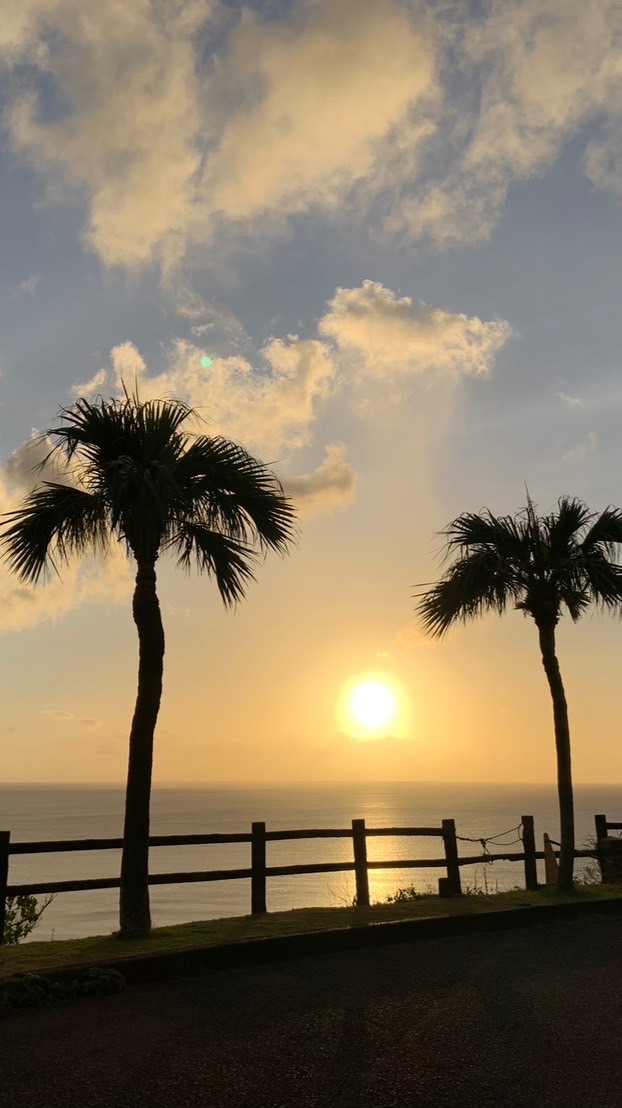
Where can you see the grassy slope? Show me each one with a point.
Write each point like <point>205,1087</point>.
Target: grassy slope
<point>37,957</point>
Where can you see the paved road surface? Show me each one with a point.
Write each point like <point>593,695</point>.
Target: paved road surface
<point>529,1019</point>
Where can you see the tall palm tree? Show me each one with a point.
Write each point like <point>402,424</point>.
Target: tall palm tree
<point>137,477</point>
<point>542,565</point>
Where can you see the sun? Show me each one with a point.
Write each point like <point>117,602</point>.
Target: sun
<point>373,704</point>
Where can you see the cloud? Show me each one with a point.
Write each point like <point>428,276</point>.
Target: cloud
<point>29,285</point>
<point>165,146</point>
<point>179,124</point>
<point>544,70</point>
<point>93,386</point>
<point>331,487</point>
<point>90,581</point>
<point>69,717</point>
<point>318,105</point>
<point>399,335</point>
<point>603,158</point>
<point>587,446</point>
<point>410,636</point>
<point>271,401</point>
<point>569,401</point>
<point>124,134</point>
<point>269,407</point>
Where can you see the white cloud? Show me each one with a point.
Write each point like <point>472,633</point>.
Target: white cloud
<point>126,136</point>
<point>544,70</point>
<point>29,285</point>
<point>330,487</point>
<point>92,581</point>
<point>569,401</point>
<point>270,402</point>
<point>268,409</point>
<point>399,335</point>
<point>329,108</point>
<point>93,386</point>
<point>285,117</point>
<point>319,101</point>
<point>603,159</point>
<point>587,446</point>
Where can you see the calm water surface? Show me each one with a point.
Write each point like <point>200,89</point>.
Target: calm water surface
<point>77,812</point>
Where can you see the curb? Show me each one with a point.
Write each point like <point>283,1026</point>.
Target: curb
<point>145,968</point>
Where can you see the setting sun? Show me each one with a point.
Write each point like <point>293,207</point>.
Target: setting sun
<point>373,704</point>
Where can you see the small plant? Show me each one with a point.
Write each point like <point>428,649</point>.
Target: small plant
<point>22,914</point>
<point>402,896</point>
<point>590,874</point>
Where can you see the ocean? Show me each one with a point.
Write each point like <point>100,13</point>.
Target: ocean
<point>75,812</point>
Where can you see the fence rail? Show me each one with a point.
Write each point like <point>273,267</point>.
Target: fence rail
<point>259,870</point>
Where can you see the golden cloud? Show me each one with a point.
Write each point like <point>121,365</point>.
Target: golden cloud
<point>400,335</point>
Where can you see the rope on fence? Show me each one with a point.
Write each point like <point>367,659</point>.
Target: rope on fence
<point>494,839</point>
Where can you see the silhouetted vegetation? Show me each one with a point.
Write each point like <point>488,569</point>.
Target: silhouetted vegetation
<point>22,914</point>
<point>543,566</point>
<point>134,476</point>
<point>33,990</point>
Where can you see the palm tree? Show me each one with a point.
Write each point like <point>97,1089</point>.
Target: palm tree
<point>136,476</point>
<point>542,565</point>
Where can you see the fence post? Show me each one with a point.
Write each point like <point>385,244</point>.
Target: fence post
<point>452,886</point>
<point>258,868</point>
<point>5,839</point>
<point>600,823</point>
<point>361,875</point>
<point>529,846</point>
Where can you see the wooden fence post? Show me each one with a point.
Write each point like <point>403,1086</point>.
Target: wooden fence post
<point>551,866</point>
<point>529,845</point>
<point>5,838</point>
<point>453,886</point>
<point>361,875</point>
<point>600,823</point>
<point>258,867</point>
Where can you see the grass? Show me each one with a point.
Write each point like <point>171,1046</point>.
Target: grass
<point>37,957</point>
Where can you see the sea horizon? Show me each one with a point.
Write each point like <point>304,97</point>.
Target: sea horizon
<point>57,811</point>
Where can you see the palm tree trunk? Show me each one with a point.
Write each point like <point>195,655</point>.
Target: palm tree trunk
<point>135,917</point>
<point>546,633</point>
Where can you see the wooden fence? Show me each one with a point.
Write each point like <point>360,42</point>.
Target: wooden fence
<point>260,871</point>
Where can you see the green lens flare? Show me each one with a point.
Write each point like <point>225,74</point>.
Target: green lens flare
<point>206,362</point>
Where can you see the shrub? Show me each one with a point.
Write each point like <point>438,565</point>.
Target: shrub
<point>401,896</point>
<point>22,914</point>
<point>32,990</point>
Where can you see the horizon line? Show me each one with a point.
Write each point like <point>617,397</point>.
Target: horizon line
<point>297,781</point>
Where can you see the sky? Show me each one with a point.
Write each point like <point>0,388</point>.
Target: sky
<point>396,229</point>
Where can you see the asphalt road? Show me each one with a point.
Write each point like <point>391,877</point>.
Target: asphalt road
<point>524,1019</point>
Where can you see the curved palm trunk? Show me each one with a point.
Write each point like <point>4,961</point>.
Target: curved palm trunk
<point>135,918</point>
<point>562,745</point>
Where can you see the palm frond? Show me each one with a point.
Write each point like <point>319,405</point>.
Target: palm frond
<point>605,533</point>
<point>141,478</point>
<point>221,557</point>
<point>563,528</point>
<point>54,522</point>
<point>542,563</point>
<point>237,493</point>
<point>473,585</point>
<point>602,581</point>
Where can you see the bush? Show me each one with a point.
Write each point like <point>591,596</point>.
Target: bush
<point>401,896</point>
<point>22,914</point>
<point>32,990</point>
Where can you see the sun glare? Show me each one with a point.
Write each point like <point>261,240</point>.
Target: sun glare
<point>373,704</point>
